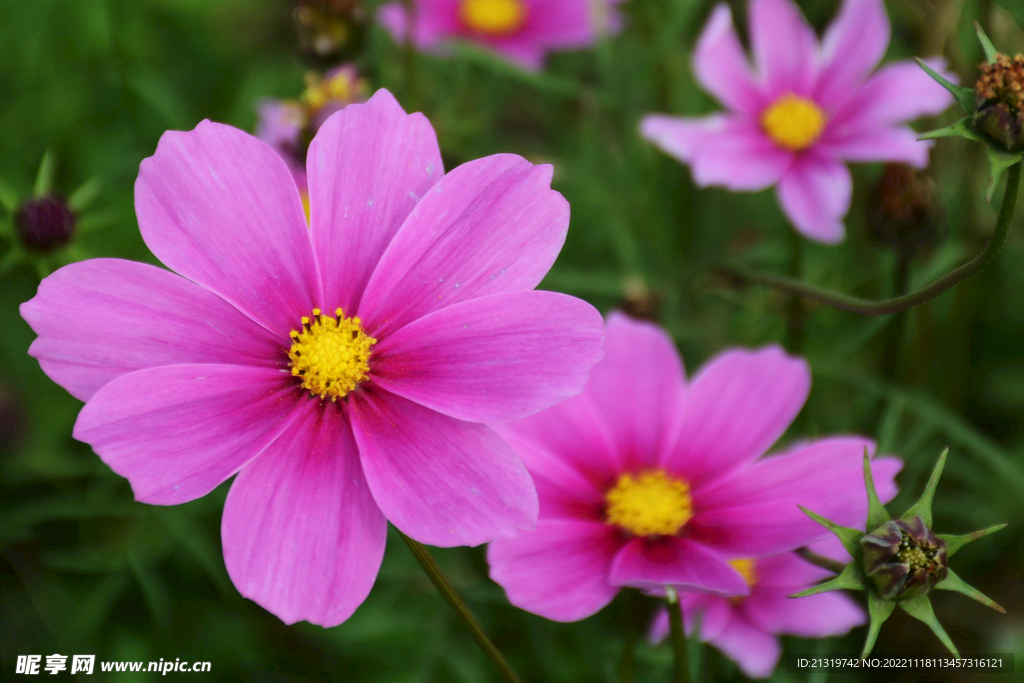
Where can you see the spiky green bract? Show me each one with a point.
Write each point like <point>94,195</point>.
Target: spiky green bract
<point>879,610</point>
<point>990,50</point>
<point>965,96</point>
<point>848,579</point>
<point>953,582</point>
<point>877,514</point>
<point>923,507</point>
<point>850,538</point>
<point>921,609</point>
<point>956,541</point>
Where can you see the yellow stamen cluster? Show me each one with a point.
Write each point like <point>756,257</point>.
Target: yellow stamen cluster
<point>916,556</point>
<point>340,87</point>
<point>746,568</point>
<point>793,122</point>
<point>330,355</point>
<point>649,504</point>
<point>493,17</point>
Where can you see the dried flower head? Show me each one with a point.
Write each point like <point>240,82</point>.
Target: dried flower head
<point>1000,102</point>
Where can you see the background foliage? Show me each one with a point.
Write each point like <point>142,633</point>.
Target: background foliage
<point>84,569</point>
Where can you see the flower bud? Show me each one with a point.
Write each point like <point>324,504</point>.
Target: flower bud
<point>45,223</point>
<point>905,213</point>
<point>999,96</point>
<point>904,558</point>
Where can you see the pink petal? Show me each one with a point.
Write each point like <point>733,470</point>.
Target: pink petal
<point>302,535</point>
<point>897,92</point>
<point>678,562</point>
<point>852,47</point>
<point>219,207</point>
<point>791,573</point>
<point>496,358</point>
<point>721,67</point>
<point>678,136</point>
<point>737,406</point>
<point>817,616</point>
<point>639,388</point>
<point>490,226</point>
<point>559,571</point>
<point>102,318</point>
<point>439,480</point>
<point>368,166</point>
<point>881,144</point>
<point>757,653</point>
<point>816,193</point>
<point>756,513</point>
<point>176,432</point>
<point>785,47</point>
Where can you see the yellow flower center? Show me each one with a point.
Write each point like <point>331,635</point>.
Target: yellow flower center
<point>330,355</point>
<point>493,17</point>
<point>793,122</point>
<point>746,570</point>
<point>340,87</point>
<point>649,504</point>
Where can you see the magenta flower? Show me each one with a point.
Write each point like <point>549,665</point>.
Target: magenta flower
<point>343,370</point>
<point>523,31</point>
<point>808,109</point>
<point>747,629</point>
<point>647,480</point>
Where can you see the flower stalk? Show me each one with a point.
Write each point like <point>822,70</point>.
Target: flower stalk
<point>448,592</point>
<point>677,634</point>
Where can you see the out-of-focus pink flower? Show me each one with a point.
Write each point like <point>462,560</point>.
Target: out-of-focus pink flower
<point>647,480</point>
<point>289,125</point>
<point>747,629</point>
<point>524,31</point>
<point>343,369</point>
<point>807,110</point>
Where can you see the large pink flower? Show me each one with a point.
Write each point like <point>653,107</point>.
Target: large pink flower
<point>808,109</point>
<point>334,423</point>
<point>524,31</point>
<point>748,629</point>
<point>647,480</point>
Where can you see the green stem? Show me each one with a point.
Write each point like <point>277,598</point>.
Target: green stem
<point>834,566</point>
<point>897,327</point>
<point>448,592</point>
<point>678,635</point>
<point>900,303</point>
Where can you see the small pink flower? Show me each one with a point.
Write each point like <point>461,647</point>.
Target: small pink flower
<point>342,369</point>
<point>747,629</point>
<point>809,109</point>
<point>524,31</point>
<point>647,480</point>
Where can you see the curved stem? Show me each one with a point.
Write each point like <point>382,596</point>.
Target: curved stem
<point>678,635</point>
<point>834,566</point>
<point>447,591</point>
<point>901,303</point>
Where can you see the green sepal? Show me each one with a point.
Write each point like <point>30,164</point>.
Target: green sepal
<point>990,50</point>
<point>9,199</point>
<point>877,514</point>
<point>45,174</point>
<point>999,163</point>
<point>850,538</point>
<point>923,507</point>
<point>86,193</point>
<point>848,579</point>
<point>879,609</point>
<point>921,609</point>
<point>964,128</point>
<point>956,541</point>
<point>965,96</point>
<point>952,582</point>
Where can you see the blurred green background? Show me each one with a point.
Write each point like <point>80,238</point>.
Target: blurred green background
<point>85,569</point>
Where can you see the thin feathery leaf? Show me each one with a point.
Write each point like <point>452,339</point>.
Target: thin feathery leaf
<point>877,514</point>
<point>965,96</point>
<point>848,579</point>
<point>952,582</point>
<point>956,541</point>
<point>921,609</point>
<point>990,50</point>
<point>850,538</point>
<point>879,610</point>
<point>923,507</point>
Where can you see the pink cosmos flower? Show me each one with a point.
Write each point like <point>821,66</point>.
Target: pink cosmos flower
<point>342,369</point>
<point>747,629</point>
<point>647,480</point>
<point>524,31</point>
<point>289,125</point>
<point>808,109</point>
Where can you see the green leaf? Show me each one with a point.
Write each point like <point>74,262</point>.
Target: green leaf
<point>9,199</point>
<point>986,44</point>
<point>921,609</point>
<point>850,538</point>
<point>964,128</point>
<point>879,610</point>
<point>45,174</point>
<point>81,198</point>
<point>952,582</point>
<point>877,514</point>
<point>965,96</point>
<point>849,579</point>
<point>999,162</point>
<point>956,541</point>
<point>923,507</point>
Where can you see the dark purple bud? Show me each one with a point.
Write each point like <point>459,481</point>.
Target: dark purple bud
<point>904,558</point>
<point>905,212</point>
<point>45,223</point>
<point>999,95</point>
